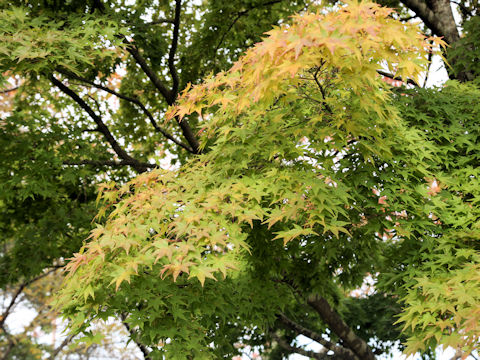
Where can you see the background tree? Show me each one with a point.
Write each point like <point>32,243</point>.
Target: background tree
<point>95,79</point>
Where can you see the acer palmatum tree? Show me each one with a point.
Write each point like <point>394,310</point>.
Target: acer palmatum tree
<point>300,174</point>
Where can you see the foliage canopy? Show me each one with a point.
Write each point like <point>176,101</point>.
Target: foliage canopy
<point>299,174</point>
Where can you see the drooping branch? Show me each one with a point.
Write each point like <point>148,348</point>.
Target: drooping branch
<point>317,337</point>
<point>100,126</point>
<point>133,101</point>
<point>340,328</point>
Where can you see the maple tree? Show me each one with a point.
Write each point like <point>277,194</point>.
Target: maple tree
<point>298,173</point>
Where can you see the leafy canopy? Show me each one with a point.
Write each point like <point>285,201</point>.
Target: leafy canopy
<point>313,173</point>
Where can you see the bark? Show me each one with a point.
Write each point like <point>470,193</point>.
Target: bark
<point>443,12</point>
<point>437,15</point>
<point>340,328</point>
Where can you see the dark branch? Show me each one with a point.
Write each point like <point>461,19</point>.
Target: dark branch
<point>408,18</point>
<point>340,328</point>
<point>110,163</point>
<point>188,134</point>
<point>100,125</point>
<point>156,22</point>
<point>64,343</point>
<point>167,94</point>
<point>11,344</point>
<point>390,76</point>
<point>464,9</point>
<point>9,90</point>
<point>134,101</point>
<point>132,49</point>
<point>133,335</point>
<point>299,329</point>
<point>430,55</point>
<point>293,349</point>
<point>173,50</point>
<point>11,304</point>
<point>322,90</point>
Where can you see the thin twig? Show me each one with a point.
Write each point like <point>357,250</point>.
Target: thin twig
<point>156,22</point>
<point>239,15</point>
<point>9,90</point>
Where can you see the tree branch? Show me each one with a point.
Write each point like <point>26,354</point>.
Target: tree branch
<point>317,337</point>
<point>340,328</point>
<point>156,22</point>
<point>173,50</point>
<point>143,348</point>
<point>184,125</point>
<point>188,134</point>
<point>390,76</point>
<point>100,125</point>
<point>408,18</point>
<point>11,344</point>
<point>11,304</point>
<point>22,286</point>
<point>134,101</point>
<point>464,9</point>
<point>428,16</point>
<point>239,15</point>
<point>310,354</point>
<point>110,163</point>
<point>326,106</point>
<point>9,90</point>
<point>132,49</point>
<point>430,55</point>
<point>64,343</point>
